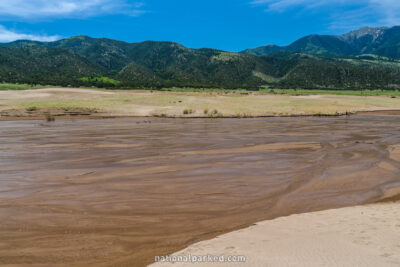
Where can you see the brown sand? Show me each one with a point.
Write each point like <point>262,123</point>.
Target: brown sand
<point>118,192</point>
<point>365,236</point>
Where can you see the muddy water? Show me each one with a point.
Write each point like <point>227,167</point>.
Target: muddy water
<point>114,192</point>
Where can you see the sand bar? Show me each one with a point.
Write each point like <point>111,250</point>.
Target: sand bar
<point>356,236</point>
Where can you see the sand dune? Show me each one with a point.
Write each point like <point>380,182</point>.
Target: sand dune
<point>355,236</point>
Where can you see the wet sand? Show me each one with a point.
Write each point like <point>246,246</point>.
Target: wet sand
<point>118,192</point>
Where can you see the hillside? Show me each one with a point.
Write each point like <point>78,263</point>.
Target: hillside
<point>307,71</point>
<point>39,65</point>
<point>150,64</point>
<point>86,61</point>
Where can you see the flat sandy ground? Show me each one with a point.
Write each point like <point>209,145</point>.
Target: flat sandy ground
<point>355,236</point>
<point>61,101</point>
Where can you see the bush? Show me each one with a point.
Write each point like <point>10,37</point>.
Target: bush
<point>215,114</point>
<point>30,109</point>
<point>188,111</point>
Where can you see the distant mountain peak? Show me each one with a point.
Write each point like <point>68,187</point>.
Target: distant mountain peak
<point>375,32</point>
<point>381,41</point>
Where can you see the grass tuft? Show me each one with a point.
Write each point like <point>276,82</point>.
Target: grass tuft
<point>188,111</point>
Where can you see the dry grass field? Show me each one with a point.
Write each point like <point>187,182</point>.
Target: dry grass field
<point>185,104</point>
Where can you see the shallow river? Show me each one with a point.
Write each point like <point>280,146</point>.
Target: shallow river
<point>119,192</point>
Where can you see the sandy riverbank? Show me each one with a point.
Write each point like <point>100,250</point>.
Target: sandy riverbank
<point>94,103</point>
<point>355,236</point>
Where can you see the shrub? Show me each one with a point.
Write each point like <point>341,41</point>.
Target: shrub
<point>30,109</point>
<point>188,111</point>
<point>215,114</point>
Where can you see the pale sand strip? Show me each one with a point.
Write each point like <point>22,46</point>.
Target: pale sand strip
<point>395,152</point>
<point>356,236</point>
<point>257,148</point>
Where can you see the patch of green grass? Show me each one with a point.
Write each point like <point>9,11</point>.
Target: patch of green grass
<point>99,79</point>
<point>201,90</point>
<point>295,92</point>
<point>305,92</point>
<point>18,86</point>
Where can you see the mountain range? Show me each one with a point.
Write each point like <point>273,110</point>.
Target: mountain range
<point>381,41</point>
<point>368,58</point>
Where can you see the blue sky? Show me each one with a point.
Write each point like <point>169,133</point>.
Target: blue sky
<point>231,25</point>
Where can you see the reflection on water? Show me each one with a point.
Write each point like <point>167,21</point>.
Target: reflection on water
<point>118,191</point>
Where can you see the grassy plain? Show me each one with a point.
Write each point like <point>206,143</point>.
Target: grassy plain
<point>200,104</point>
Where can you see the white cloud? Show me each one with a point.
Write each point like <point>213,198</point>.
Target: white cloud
<point>9,36</point>
<point>283,5</point>
<point>389,9</point>
<point>68,8</point>
<point>345,13</point>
